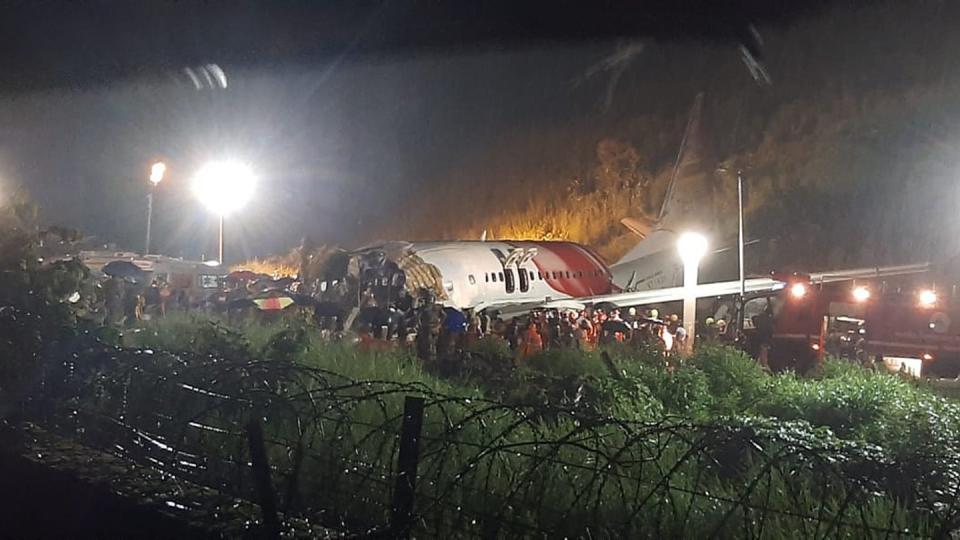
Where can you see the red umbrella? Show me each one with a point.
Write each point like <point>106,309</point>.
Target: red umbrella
<point>275,303</point>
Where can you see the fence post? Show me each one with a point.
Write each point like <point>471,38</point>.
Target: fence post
<point>261,475</point>
<point>403,492</point>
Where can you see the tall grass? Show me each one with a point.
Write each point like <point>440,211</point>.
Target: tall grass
<point>561,445</point>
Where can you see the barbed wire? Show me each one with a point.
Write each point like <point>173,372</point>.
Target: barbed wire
<point>484,465</point>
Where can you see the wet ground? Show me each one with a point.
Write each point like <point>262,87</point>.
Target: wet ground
<point>55,488</point>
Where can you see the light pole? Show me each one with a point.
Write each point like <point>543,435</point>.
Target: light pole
<point>223,187</point>
<point>692,247</point>
<point>743,281</point>
<point>157,171</point>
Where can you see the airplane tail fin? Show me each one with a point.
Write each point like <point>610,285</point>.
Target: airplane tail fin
<point>687,202</point>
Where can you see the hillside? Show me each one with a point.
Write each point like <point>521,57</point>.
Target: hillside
<point>850,154</point>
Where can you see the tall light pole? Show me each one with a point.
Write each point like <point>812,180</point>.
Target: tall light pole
<point>223,187</point>
<point>743,281</point>
<point>692,247</point>
<point>157,170</point>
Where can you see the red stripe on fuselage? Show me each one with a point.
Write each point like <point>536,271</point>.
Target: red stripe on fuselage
<point>589,276</point>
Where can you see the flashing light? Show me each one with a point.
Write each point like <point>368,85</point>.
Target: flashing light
<point>927,298</point>
<point>927,356</point>
<point>224,186</point>
<point>861,294</point>
<point>798,290</point>
<point>815,346</point>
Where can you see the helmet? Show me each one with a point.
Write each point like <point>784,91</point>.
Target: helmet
<point>654,314</point>
<point>674,317</point>
<point>721,323</point>
<point>632,311</point>
<point>710,321</point>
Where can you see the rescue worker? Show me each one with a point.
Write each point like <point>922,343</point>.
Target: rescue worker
<point>763,323</point>
<point>582,335</point>
<point>709,332</point>
<point>113,295</point>
<point>532,342</point>
<point>722,335</point>
<point>428,328</point>
<point>474,332</point>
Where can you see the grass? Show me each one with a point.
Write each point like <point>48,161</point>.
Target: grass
<point>557,444</point>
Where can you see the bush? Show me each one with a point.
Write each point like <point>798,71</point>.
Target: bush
<point>685,391</point>
<point>735,380</point>
<point>566,363</point>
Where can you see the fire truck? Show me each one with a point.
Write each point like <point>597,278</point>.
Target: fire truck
<point>787,327</point>
<point>913,331</point>
<point>906,328</point>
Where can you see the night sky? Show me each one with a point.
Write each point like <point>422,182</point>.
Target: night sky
<point>344,128</point>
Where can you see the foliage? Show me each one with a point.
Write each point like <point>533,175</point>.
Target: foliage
<point>638,447</point>
<point>736,381</point>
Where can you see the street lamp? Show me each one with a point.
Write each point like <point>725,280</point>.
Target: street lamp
<point>223,187</point>
<point>692,247</point>
<point>157,170</point>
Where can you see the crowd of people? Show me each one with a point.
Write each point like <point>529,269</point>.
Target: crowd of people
<point>423,324</point>
<point>437,332</point>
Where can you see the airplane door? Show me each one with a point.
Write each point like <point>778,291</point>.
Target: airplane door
<point>508,280</point>
<point>524,279</point>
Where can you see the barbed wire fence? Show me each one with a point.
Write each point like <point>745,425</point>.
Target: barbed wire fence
<point>381,458</point>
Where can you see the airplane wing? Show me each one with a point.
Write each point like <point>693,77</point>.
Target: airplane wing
<point>724,288</point>
<point>706,290</point>
<point>869,273</point>
<point>673,294</point>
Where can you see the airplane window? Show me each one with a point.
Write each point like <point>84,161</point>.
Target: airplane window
<point>486,277</point>
<point>539,275</point>
<point>568,274</point>
<point>554,275</point>
<point>471,279</point>
<point>501,276</point>
<point>531,276</point>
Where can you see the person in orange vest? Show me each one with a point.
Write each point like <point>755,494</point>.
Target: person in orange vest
<point>532,343</point>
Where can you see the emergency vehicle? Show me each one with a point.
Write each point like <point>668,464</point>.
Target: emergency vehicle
<point>914,331</point>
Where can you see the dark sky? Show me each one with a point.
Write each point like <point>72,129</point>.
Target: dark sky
<point>341,112</point>
<point>333,145</point>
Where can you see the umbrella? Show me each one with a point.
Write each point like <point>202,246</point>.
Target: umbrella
<point>303,300</point>
<point>241,303</point>
<point>242,275</point>
<point>124,269</point>
<point>614,326</point>
<point>275,303</point>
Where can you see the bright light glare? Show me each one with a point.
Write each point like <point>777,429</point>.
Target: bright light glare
<point>815,346</point>
<point>927,298</point>
<point>798,290</point>
<point>927,356</point>
<point>861,294</point>
<point>692,247</point>
<point>224,186</point>
<point>157,170</point>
